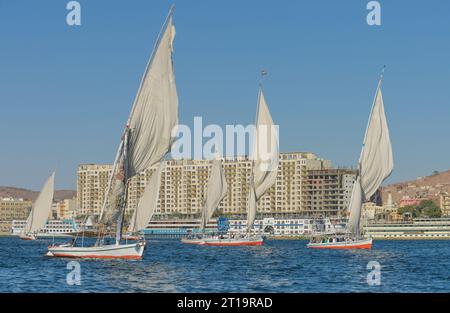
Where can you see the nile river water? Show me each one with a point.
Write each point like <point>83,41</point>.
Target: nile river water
<point>278,266</point>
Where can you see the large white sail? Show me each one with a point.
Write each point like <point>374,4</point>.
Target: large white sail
<point>265,156</point>
<point>251,209</point>
<point>265,150</point>
<point>216,191</point>
<point>155,111</point>
<point>147,138</point>
<point>375,163</point>
<point>148,202</point>
<point>41,207</point>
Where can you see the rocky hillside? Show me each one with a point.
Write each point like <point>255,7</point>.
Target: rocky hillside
<point>32,195</point>
<point>423,187</point>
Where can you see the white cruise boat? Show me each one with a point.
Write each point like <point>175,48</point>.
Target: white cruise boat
<point>282,227</point>
<point>53,228</point>
<point>287,227</point>
<point>419,228</point>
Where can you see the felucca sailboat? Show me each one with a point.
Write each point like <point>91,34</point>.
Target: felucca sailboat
<point>216,191</point>
<point>264,158</point>
<point>145,142</point>
<point>40,211</point>
<point>375,165</point>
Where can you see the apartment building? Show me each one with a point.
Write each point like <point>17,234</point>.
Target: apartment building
<point>13,209</point>
<point>64,209</point>
<point>327,191</point>
<point>184,183</point>
<point>92,181</point>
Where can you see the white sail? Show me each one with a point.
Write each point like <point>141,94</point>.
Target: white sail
<point>251,209</point>
<point>375,163</point>
<point>216,191</point>
<point>155,110</point>
<point>355,207</point>
<point>147,138</point>
<point>41,207</point>
<point>265,158</point>
<point>148,202</point>
<point>265,150</point>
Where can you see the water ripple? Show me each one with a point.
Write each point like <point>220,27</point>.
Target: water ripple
<point>278,266</point>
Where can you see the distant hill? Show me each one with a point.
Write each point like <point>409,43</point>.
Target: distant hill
<point>421,187</point>
<point>32,195</point>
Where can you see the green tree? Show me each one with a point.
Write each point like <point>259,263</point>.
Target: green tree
<point>425,208</point>
<point>429,209</point>
<point>412,209</point>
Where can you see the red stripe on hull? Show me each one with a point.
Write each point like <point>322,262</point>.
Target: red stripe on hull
<point>364,246</point>
<point>256,243</point>
<point>23,238</point>
<point>127,257</point>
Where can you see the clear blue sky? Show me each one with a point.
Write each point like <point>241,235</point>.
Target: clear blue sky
<point>65,92</point>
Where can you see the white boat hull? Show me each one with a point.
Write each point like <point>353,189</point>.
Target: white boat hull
<point>27,237</point>
<point>352,244</point>
<point>192,241</point>
<point>120,251</point>
<point>246,241</point>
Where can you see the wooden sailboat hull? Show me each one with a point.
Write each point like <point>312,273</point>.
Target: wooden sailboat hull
<point>27,237</point>
<point>131,237</point>
<point>230,242</point>
<point>354,244</point>
<point>132,251</point>
<point>200,241</point>
<point>47,235</point>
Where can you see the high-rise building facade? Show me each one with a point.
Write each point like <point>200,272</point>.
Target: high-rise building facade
<point>184,184</point>
<point>92,181</point>
<point>64,209</point>
<point>14,209</point>
<point>328,191</point>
